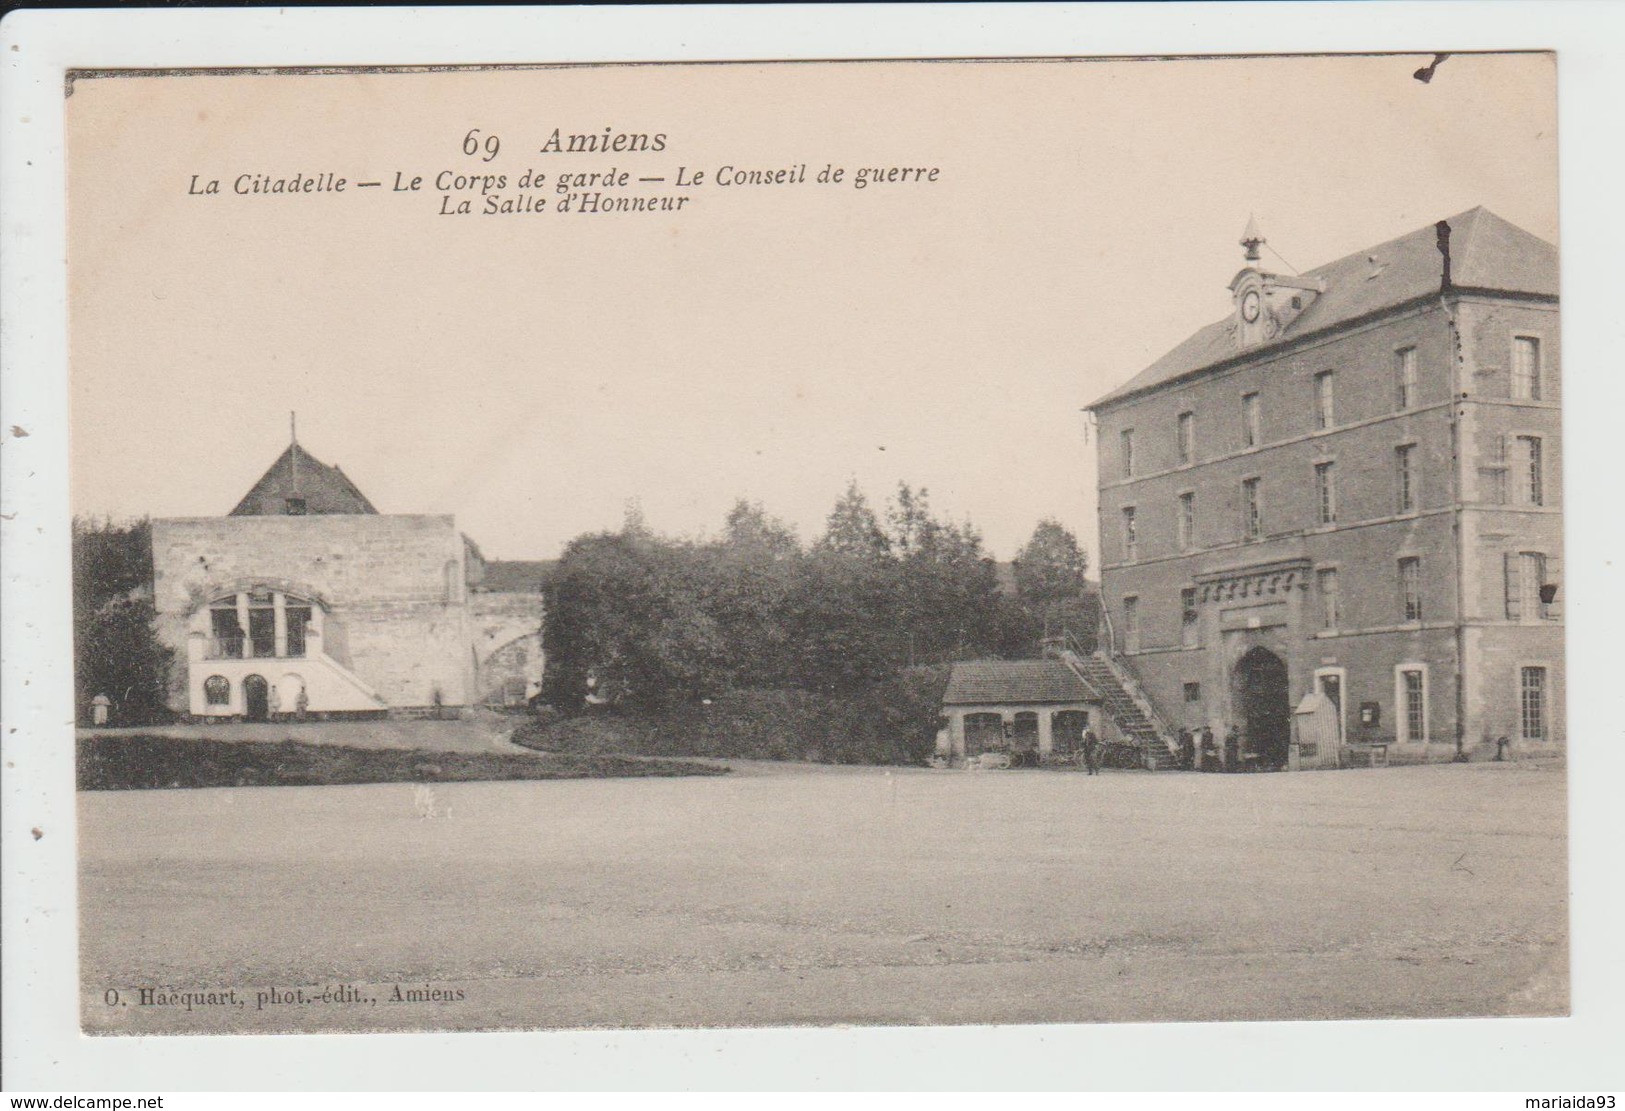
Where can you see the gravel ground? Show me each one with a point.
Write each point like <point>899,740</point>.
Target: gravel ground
<point>796,895</point>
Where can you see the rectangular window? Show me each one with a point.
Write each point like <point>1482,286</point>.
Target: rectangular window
<point>1492,471</point>
<point>1531,482</point>
<point>1190,619</point>
<point>1131,624</point>
<point>1131,535</point>
<point>1187,438</point>
<point>262,632</point>
<point>1526,368</point>
<point>1330,614</point>
<point>1410,588</point>
<point>1125,444</point>
<point>1187,522</point>
<point>1405,478</point>
<point>1193,692</point>
<point>227,633</point>
<point>298,622</point>
<point>1532,587</point>
<point>1533,691</point>
<point>1252,516</point>
<point>1250,420</point>
<point>1531,577</point>
<point>1413,708</point>
<point>1325,493</point>
<point>1405,377</point>
<point>1325,412</point>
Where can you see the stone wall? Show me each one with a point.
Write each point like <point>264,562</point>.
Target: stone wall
<point>391,587</point>
<point>507,642</point>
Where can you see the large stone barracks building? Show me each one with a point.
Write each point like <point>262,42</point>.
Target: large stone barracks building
<point>306,600</point>
<point>1335,517</point>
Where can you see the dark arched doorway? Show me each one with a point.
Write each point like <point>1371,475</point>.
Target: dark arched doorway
<point>1024,739</point>
<point>1066,731</point>
<point>1264,707</point>
<point>983,733</point>
<point>257,698</point>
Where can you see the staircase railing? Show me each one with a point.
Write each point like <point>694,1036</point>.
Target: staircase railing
<point>1141,700</point>
<point>1126,684</point>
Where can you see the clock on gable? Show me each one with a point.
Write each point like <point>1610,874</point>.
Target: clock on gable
<point>1267,304</point>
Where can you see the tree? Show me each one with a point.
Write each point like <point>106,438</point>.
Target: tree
<point>754,571</point>
<point>1052,566</point>
<point>627,619</point>
<point>853,529</point>
<point>115,641</point>
<point>1051,582</point>
<point>750,533</point>
<point>909,516</point>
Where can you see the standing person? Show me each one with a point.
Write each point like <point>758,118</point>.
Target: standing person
<point>273,705</point>
<point>1091,751</point>
<point>301,703</point>
<point>1232,749</point>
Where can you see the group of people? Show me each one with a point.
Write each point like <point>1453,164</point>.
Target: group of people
<point>273,700</point>
<point>1199,749</point>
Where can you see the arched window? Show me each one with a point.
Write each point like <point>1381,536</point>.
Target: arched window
<point>231,639</point>
<point>217,691</point>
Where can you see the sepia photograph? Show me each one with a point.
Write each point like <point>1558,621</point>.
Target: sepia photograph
<point>809,544</point>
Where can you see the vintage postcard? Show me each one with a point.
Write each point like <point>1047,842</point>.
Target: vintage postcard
<point>931,542</point>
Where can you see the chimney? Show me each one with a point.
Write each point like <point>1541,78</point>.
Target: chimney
<point>1441,231</point>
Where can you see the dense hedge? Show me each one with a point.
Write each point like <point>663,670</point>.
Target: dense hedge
<point>145,762</point>
<point>894,722</point>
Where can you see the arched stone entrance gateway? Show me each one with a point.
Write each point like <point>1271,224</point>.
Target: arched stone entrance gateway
<point>1264,707</point>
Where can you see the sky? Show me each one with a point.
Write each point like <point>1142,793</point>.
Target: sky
<point>532,373</point>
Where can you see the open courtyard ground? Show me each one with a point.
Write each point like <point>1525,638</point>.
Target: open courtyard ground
<point>793,895</point>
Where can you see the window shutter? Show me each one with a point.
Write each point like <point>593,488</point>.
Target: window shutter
<point>1514,609</point>
<point>1554,577</point>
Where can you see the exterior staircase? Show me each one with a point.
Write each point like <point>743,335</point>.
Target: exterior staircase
<point>1128,707</point>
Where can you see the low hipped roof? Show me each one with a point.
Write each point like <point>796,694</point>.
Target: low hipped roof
<point>993,682</point>
<point>1486,253</point>
<point>515,576</point>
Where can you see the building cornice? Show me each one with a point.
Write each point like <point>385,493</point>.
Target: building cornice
<point>1241,358</point>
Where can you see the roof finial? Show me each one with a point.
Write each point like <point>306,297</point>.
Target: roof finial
<point>1252,239</point>
<point>293,447</point>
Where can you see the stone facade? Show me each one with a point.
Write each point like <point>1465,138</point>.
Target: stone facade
<point>337,613</point>
<point>1362,501</point>
<point>507,640</point>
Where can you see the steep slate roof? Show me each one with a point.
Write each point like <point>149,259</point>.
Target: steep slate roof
<point>1486,253</point>
<point>298,474</point>
<point>515,576</point>
<point>982,682</point>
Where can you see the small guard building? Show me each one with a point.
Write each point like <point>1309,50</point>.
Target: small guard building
<point>1019,707</point>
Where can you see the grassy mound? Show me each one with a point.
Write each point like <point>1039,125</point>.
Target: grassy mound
<point>894,723</point>
<point>146,762</point>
